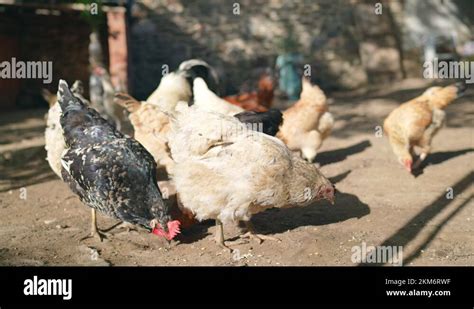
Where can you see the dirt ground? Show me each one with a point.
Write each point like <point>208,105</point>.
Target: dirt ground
<point>378,202</point>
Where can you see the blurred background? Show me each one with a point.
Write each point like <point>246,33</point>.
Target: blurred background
<point>367,58</point>
<point>347,45</point>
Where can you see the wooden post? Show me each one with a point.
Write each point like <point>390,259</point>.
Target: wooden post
<point>118,51</point>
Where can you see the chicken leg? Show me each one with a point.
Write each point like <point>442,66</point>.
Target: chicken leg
<point>257,237</point>
<point>95,232</point>
<point>220,235</point>
<point>439,118</point>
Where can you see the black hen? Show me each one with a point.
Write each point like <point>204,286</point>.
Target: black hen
<point>270,120</point>
<point>109,172</point>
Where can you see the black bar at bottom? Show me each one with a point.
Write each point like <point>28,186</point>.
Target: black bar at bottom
<point>240,285</point>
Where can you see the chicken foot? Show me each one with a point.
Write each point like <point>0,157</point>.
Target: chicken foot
<point>95,232</point>
<point>257,237</point>
<point>127,226</point>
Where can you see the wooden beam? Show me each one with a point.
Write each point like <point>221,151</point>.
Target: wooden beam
<point>118,51</point>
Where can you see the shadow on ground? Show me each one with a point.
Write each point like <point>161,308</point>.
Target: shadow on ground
<point>25,167</point>
<point>413,227</point>
<point>333,156</point>
<point>347,206</point>
<point>440,157</point>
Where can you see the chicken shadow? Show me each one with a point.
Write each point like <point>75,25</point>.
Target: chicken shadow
<point>408,232</point>
<point>439,157</point>
<point>334,156</point>
<point>189,233</point>
<point>26,167</point>
<point>274,221</point>
<point>340,177</point>
<point>195,232</point>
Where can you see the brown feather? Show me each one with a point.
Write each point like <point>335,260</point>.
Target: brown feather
<point>127,101</point>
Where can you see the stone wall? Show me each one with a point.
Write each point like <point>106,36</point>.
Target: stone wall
<point>346,44</point>
<point>420,22</point>
<point>331,34</point>
<point>379,42</point>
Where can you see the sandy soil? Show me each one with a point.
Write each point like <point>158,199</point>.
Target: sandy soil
<point>378,203</point>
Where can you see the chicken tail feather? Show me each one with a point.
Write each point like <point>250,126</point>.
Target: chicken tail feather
<point>66,98</point>
<point>126,101</point>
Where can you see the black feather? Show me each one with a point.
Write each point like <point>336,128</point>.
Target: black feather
<point>270,120</point>
<point>82,125</point>
<point>108,171</point>
<point>195,68</point>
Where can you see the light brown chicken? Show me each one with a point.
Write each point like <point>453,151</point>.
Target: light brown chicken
<point>177,211</point>
<point>417,121</point>
<point>307,123</point>
<point>228,173</point>
<point>151,127</point>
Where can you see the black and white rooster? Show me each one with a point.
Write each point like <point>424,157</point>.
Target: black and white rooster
<point>110,172</point>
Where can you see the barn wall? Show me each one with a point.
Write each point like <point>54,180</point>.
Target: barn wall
<point>62,39</point>
<point>9,47</point>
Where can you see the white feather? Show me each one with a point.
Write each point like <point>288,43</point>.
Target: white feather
<point>209,101</point>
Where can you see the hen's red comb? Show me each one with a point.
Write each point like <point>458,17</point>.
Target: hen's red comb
<point>173,230</point>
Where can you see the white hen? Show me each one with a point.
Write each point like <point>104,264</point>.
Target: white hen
<point>173,88</point>
<point>207,100</point>
<point>225,172</point>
